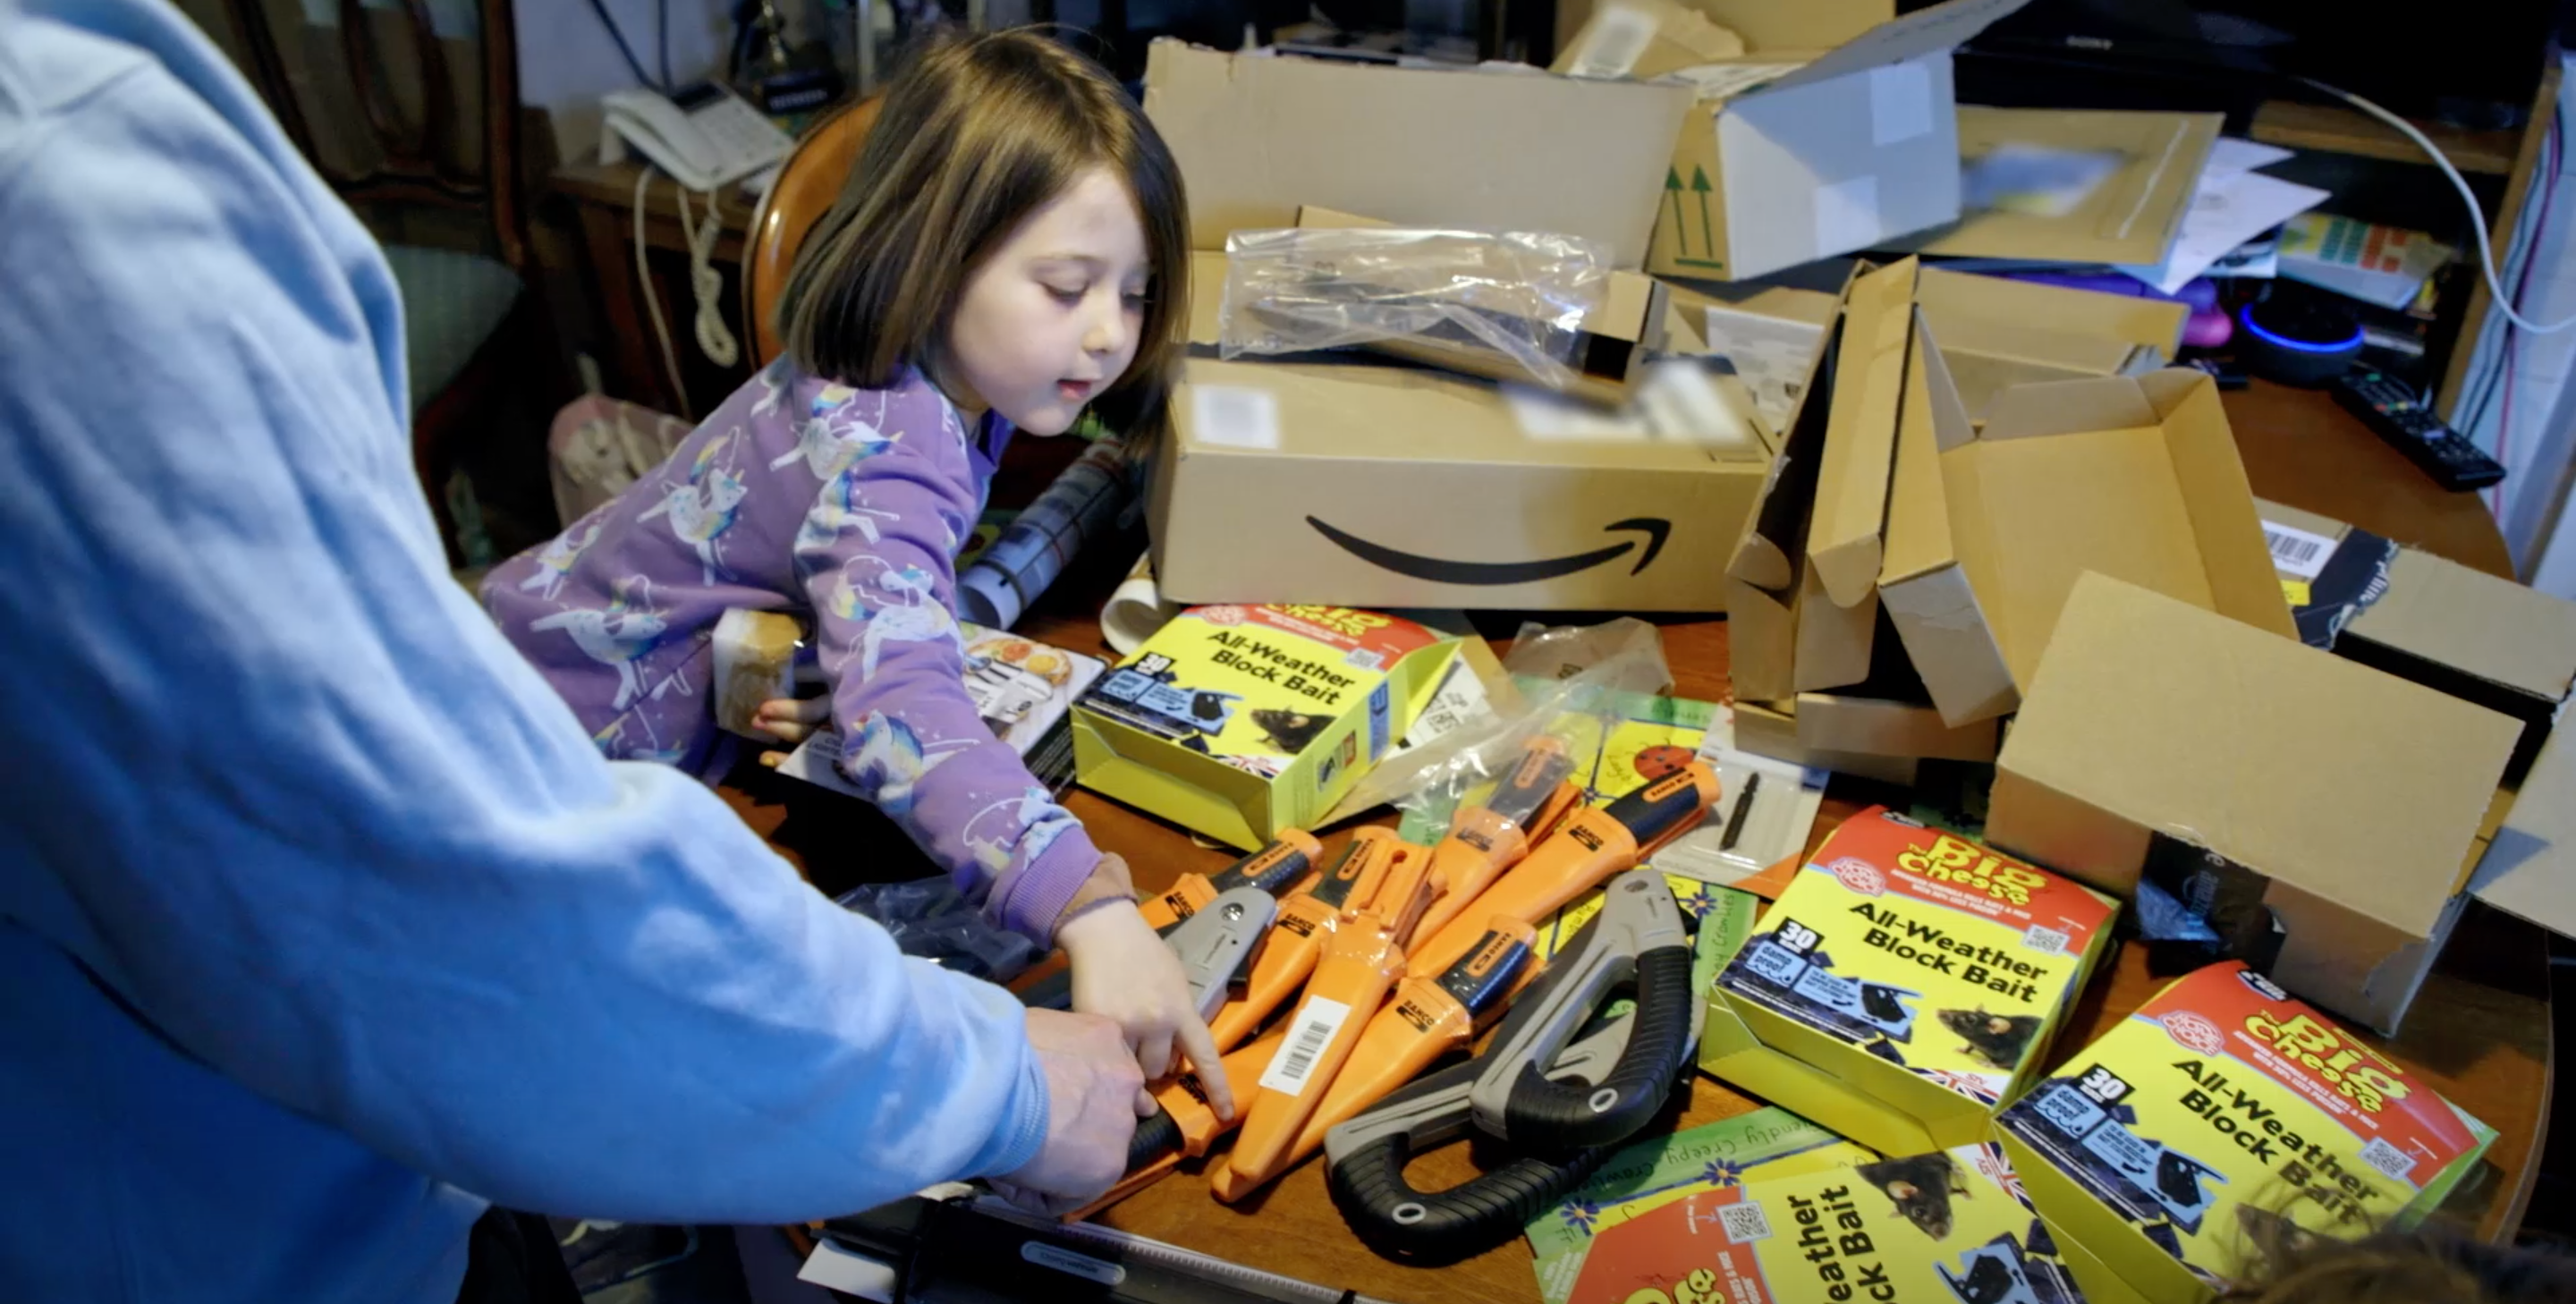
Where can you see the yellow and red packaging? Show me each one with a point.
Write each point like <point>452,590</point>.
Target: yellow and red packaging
<point>1905,985</point>
<point>1239,721</point>
<point>1946,1226</point>
<point>2164,1153</point>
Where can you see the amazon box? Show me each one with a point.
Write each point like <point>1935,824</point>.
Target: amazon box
<point>2335,809</point>
<point>2478,637</point>
<point>1609,355</point>
<point>1257,136</point>
<point>2148,168</point>
<point>2225,1112</point>
<point>1373,484</point>
<point>1790,155</point>
<point>1905,985</point>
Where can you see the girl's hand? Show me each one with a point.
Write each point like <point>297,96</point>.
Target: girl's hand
<point>791,720</point>
<point>1123,971</point>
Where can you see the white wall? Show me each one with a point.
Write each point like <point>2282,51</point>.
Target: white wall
<point>567,60</point>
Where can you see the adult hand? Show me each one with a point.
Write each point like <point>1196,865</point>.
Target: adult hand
<point>1122,970</point>
<point>1093,1085</point>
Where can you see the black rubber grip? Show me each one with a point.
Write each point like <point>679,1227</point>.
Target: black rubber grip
<point>1430,1229</point>
<point>1558,1117</point>
<point>1155,1137</point>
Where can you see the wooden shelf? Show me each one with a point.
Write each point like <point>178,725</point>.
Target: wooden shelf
<point>2349,131</point>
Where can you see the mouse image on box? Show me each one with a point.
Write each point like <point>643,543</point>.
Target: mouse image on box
<point>1921,1186</point>
<point>1998,1039</point>
<point>1289,731</point>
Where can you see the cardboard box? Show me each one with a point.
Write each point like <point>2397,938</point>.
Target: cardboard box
<point>1960,1231</point>
<point>1767,568</point>
<point>1609,355</point>
<point>2219,1109</point>
<point>2129,216</point>
<point>2476,636</point>
<point>1993,332</point>
<point>1905,985</point>
<point>1388,486</point>
<point>1988,530</point>
<point>1843,724</point>
<point>1241,721</point>
<point>1838,595</point>
<point>1771,729</point>
<point>1258,136</point>
<point>2351,799</point>
<point>1789,156</point>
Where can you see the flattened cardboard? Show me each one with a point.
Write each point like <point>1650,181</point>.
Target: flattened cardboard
<point>1811,25</point>
<point>1951,298</point>
<point>1258,136</point>
<point>2359,795</point>
<point>2132,216</point>
<point>2134,478</point>
<point>1609,355</point>
<point>1836,153</point>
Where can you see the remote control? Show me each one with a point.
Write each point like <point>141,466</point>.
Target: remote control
<point>2391,410</point>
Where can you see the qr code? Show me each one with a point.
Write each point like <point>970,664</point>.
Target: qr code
<point>1744,1223</point>
<point>2387,1158</point>
<point>2046,941</point>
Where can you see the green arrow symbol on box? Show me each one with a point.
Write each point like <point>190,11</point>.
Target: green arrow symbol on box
<point>1699,182</point>
<point>1673,187</point>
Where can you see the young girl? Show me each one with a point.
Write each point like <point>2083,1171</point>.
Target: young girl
<point>1009,250</point>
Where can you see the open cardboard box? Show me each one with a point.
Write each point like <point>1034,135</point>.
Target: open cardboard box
<point>1259,136</point>
<point>2129,216</point>
<point>1373,484</point>
<point>1609,355</point>
<point>1994,333</point>
<point>2476,636</point>
<point>1987,530</point>
<point>1790,155</point>
<point>2357,797</point>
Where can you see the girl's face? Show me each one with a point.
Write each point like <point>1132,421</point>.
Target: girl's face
<point>1051,319</point>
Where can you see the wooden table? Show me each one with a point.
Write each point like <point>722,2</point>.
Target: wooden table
<point>2480,1033</point>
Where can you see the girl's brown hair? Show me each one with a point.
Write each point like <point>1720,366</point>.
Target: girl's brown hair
<point>979,132</point>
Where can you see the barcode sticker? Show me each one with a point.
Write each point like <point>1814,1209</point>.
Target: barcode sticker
<point>2296,552</point>
<point>1312,1030</point>
<point>1234,417</point>
<point>1619,37</point>
<point>1745,1223</point>
<point>2387,1158</point>
<point>2046,941</point>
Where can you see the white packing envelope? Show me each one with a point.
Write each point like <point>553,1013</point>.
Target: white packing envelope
<point>2227,210</point>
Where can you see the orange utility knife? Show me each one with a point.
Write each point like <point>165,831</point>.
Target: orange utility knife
<point>1306,918</point>
<point>1584,851</point>
<point>1358,965</point>
<point>1487,838</point>
<point>1427,1019</point>
<point>1273,869</point>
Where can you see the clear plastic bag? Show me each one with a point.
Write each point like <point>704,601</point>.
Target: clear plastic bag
<point>926,917</point>
<point>1515,294</point>
<point>1589,669</point>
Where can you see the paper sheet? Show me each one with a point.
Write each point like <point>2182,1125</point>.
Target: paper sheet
<point>2226,211</point>
<point>1771,355</point>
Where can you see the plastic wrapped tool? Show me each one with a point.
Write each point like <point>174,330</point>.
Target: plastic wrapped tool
<point>1517,295</point>
<point>1088,501</point>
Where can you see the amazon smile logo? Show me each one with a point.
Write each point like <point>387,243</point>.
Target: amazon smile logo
<point>1441,570</point>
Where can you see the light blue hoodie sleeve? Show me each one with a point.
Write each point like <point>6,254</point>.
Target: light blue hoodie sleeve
<point>283,790</point>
